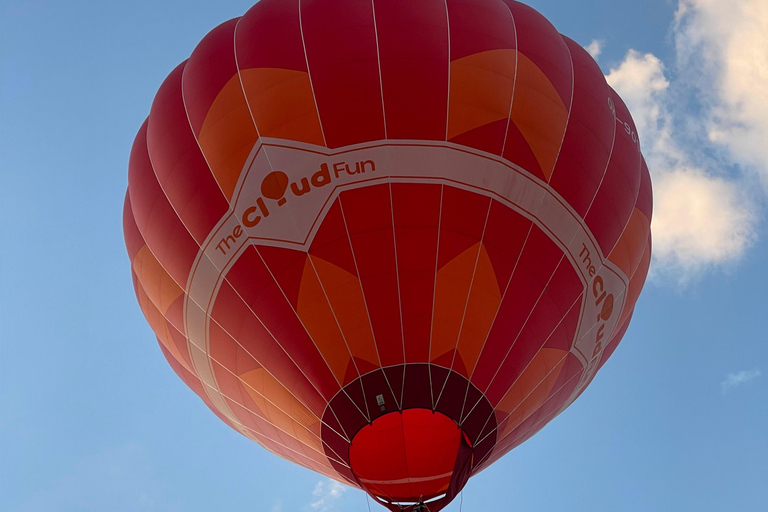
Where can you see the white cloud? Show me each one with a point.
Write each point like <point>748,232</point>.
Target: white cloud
<point>326,493</point>
<point>700,221</point>
<point>703,160</point>
<point>737,379</point>
<point>726,44</point>
<point>277,506</point>
<point>595,48</point>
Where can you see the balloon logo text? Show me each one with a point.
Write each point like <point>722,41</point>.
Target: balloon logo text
<point>276,184</point>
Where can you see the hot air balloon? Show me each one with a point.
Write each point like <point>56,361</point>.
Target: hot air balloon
<point>388,240</point>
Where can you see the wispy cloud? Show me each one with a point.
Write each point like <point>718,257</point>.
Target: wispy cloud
<point>277,506</point>
<point>737,379</point>
<point>724,45</point>
<point>325,495</point>
<point>703,133</point>
<point>595,48</point>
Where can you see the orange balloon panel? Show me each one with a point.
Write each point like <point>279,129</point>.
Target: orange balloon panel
<point>389,240</point>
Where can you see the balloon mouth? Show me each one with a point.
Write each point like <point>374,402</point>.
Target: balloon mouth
<point>409,449</point>
<point>407,457</point>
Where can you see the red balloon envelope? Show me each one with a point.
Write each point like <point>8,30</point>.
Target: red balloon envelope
<point>388,240</point>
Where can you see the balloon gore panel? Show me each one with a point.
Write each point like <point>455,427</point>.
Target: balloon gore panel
<point>388,241</point>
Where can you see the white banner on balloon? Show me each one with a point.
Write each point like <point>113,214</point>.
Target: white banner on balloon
<point>287,187</point>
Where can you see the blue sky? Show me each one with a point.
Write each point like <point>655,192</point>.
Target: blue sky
<point>92,418</point>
